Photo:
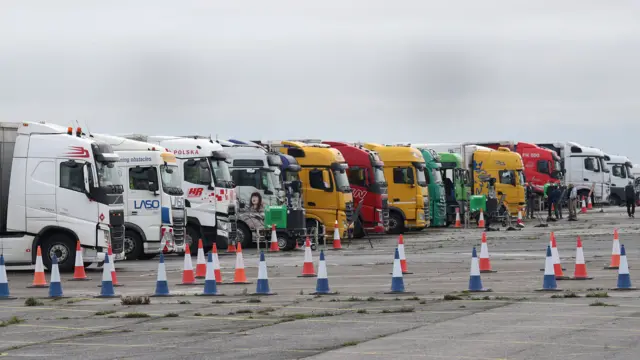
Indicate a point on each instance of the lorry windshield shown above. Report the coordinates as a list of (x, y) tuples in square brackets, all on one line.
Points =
[(171, 182), (342, 181), (521, 178), (107, 174), (422, 180), (275, 179), (436, 176), (290, 175), (221, 173), (378, 175)]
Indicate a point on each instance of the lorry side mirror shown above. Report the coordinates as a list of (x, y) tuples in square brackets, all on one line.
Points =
[(326, 180), (86, 174), (152, 177)]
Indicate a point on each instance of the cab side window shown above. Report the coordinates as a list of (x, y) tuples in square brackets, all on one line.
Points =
[(543, 166), (356, 177), (403, 175), (616, 170), (589, 164), (192, 173), (507, 177), (139, 178), (71, 176), (315, 180)]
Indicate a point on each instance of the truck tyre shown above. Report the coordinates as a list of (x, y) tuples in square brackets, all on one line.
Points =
[(63, 247), (191, 239), (285, 242), (312, 225), (244, 235), (133, 246), (396, 223), (358, 232)]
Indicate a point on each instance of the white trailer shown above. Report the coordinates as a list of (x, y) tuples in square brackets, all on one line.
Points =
[(58, 187), (585, 168), (153, 197), (620, 175)]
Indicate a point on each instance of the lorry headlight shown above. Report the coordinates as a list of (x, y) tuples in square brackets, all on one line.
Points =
[(420, 215), (222, 225)]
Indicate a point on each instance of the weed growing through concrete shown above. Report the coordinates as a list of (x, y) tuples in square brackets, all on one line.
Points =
[(135, 315), (362, 311), (404, 309), (107, 312), (33, 302), (12, 321), (350, 343), (265, 311), (353, 298), (135, 300), (415, 298), (254, 301), (244, 311), (600, 303), (307, 316), (600, 294), (452, 297), (171, 315)]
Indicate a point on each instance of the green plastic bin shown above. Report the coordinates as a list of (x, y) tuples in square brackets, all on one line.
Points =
[(275, 214), (478, 202)]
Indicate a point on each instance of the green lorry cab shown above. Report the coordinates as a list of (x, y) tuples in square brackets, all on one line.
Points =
[(457, 184), (437, 196)]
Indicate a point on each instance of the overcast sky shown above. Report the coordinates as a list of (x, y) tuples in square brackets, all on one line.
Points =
[(382, 71)]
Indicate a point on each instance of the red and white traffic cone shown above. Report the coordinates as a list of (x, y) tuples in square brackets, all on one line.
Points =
[(216, 264), (519, 222), (584, 206), (403, 258), (485, 262), (481, 220), (39, 280), (458, 223), (78, 272), (337, 245), (557, 267), (112, 262), (580, 271), (307, 266), (240, 276), (201, 264), (274, 240), (589, 204), (615, 252), (188, 276)]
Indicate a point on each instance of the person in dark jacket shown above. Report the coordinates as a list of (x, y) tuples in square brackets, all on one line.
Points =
[(556, 195), (531, 197), (551, 201), (630, 195)]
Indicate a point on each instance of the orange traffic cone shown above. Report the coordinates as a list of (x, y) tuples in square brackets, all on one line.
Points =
[(201, 264), (557, 267), (39, 281), (481, 220), (337, 245), (188, 276), (403, 258), (216, 264), (615, 252), (307, 267), (519, 223), (485, 262), (274, 240), (112, 263), (589, 204), (78, 271), (580, 272), (458, 224), (240, 277), (231, 248), (584, 206)]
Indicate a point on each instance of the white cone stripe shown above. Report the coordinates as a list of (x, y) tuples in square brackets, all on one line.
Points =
[(200, 258), (216, 262), (579, 256), (336, 233), (397, 269), (262, 270), (548, 266), (106, 273), (210, 275), (484, 251), (274, 237), (616, 247), (307, 255), (162, 272), (239, 261), (475, 266), (322, 270), (3, 274), (401, 252), (55, 273), (79, 261), (112, 263), (624, 266), (39, 265), (555, 256), (188, 265)]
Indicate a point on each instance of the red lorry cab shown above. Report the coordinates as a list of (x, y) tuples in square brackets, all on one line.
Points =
[(541, 166), (368, 184)]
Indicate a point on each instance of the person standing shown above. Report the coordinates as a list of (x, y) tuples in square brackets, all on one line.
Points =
[(531, 196), (630, 195), (573, 198)]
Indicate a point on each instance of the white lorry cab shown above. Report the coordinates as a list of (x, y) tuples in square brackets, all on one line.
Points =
[(207, 186), (620, 175), (58, 187), (153, 197), (585, 168)]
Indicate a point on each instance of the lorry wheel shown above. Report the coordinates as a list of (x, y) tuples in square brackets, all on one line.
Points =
[(133, 247), (312, 225), (244, 236), (358, 233), (396, 224), (63, 247), (615, 200), (286, 242)]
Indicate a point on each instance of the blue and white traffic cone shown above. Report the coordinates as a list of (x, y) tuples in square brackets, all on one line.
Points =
[(322, 284), (262, 287), (624, 279), (210, 287), (4, 283), (397, 282), (475, 282), (549, 282), (55, 287), (162, 287), (106, 290)]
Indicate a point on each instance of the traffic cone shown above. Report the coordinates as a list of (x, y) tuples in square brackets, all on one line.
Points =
[(615, 252), (307, 266), (162, 287), (106, 290), (274, 240), (475, 282), (231, 248), (262, 285), (485, 262), (519, 222), (403, 258), (4, 283), (39, 280), (397, 282), (624, 279), (549, 282), (114, 278), (589, 204), (55, 287), (481, 220), (78, 271), (337, 244), (210, 287), (201, 265), (188, 276), (580, 272), (216, 264), (557, 267), (240, 276), (584, 206), (458, 224), (322, 284)]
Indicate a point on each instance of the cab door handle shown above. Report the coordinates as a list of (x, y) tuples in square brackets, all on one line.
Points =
[(395, 200), (311, 204)]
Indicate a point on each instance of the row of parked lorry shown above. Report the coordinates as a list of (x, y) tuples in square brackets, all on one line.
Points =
[(146, 194)]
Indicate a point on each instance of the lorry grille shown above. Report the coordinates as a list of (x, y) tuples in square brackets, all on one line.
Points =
[(233, 228), (349, 210), (426, 208), (116, 222), (385, 212), (178, 230)]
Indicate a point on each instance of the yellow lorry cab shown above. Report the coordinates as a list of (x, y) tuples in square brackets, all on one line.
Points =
[(325, 186), (407, 186)]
